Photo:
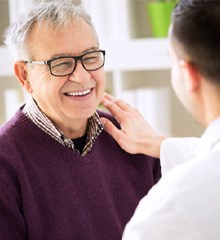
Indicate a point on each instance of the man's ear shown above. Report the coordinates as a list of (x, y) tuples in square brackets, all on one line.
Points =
[(21, 73), (191, 75)]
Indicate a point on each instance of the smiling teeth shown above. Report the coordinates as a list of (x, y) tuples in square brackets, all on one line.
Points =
[(83, 93)]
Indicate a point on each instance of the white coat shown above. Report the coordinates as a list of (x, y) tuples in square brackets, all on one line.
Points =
[(185, 204)]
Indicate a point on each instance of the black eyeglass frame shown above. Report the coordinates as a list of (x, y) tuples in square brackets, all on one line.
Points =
[(76, 58)]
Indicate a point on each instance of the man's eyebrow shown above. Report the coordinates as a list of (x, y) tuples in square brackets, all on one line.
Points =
[(90, 50), (70, 54)]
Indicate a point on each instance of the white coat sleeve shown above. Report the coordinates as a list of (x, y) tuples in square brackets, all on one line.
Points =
[(161, 214), (175, 151)]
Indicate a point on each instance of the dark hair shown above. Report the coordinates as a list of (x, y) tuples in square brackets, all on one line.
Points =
[(196, 31)]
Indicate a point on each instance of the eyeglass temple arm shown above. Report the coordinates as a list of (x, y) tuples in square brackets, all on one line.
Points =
[(36, 62)]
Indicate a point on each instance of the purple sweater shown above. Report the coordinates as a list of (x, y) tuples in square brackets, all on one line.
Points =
[(48, 191)]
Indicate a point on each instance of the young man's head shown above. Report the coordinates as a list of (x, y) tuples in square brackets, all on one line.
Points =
[(195, 53), (196, 35)]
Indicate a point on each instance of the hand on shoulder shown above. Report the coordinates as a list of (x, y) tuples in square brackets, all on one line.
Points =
[(135, 135)]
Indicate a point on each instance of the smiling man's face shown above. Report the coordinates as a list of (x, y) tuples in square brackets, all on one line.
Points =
[(68, 100)]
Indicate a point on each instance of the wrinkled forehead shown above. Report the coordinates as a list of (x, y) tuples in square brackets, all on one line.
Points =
[(72, 38)]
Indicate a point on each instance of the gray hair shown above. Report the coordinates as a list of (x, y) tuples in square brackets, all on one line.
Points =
[(57, 14)]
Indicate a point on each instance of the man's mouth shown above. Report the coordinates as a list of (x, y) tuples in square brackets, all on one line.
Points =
[(78, 93)]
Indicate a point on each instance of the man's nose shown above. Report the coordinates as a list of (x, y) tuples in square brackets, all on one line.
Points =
[(80, 74)]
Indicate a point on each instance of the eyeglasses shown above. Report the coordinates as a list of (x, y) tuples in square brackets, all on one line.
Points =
[(66, 65)]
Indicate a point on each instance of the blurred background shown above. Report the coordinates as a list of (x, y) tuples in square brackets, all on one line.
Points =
[(137, 62)]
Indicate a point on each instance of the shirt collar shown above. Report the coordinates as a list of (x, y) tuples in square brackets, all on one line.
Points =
[(95, 126)]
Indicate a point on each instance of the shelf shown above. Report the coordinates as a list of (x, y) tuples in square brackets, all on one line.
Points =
[(137, 55), (132, 55)]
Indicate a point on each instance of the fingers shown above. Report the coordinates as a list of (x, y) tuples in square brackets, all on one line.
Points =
[(113, 108), (111, 128), (116, 106), (121, 104), (123, 111)]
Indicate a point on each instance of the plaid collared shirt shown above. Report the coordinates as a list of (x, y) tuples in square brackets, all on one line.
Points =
[(94, 128)]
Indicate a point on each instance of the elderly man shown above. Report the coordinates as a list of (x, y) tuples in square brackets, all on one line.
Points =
[(61, 175)]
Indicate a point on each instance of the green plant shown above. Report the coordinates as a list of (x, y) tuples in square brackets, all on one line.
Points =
[(159, 13)]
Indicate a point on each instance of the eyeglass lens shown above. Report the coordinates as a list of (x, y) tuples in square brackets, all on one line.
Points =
[(66, 65)]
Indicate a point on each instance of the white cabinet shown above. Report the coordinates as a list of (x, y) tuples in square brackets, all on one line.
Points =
[(137, 66)]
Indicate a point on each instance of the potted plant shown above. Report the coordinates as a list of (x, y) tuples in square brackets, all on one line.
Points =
[(159, 15)]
